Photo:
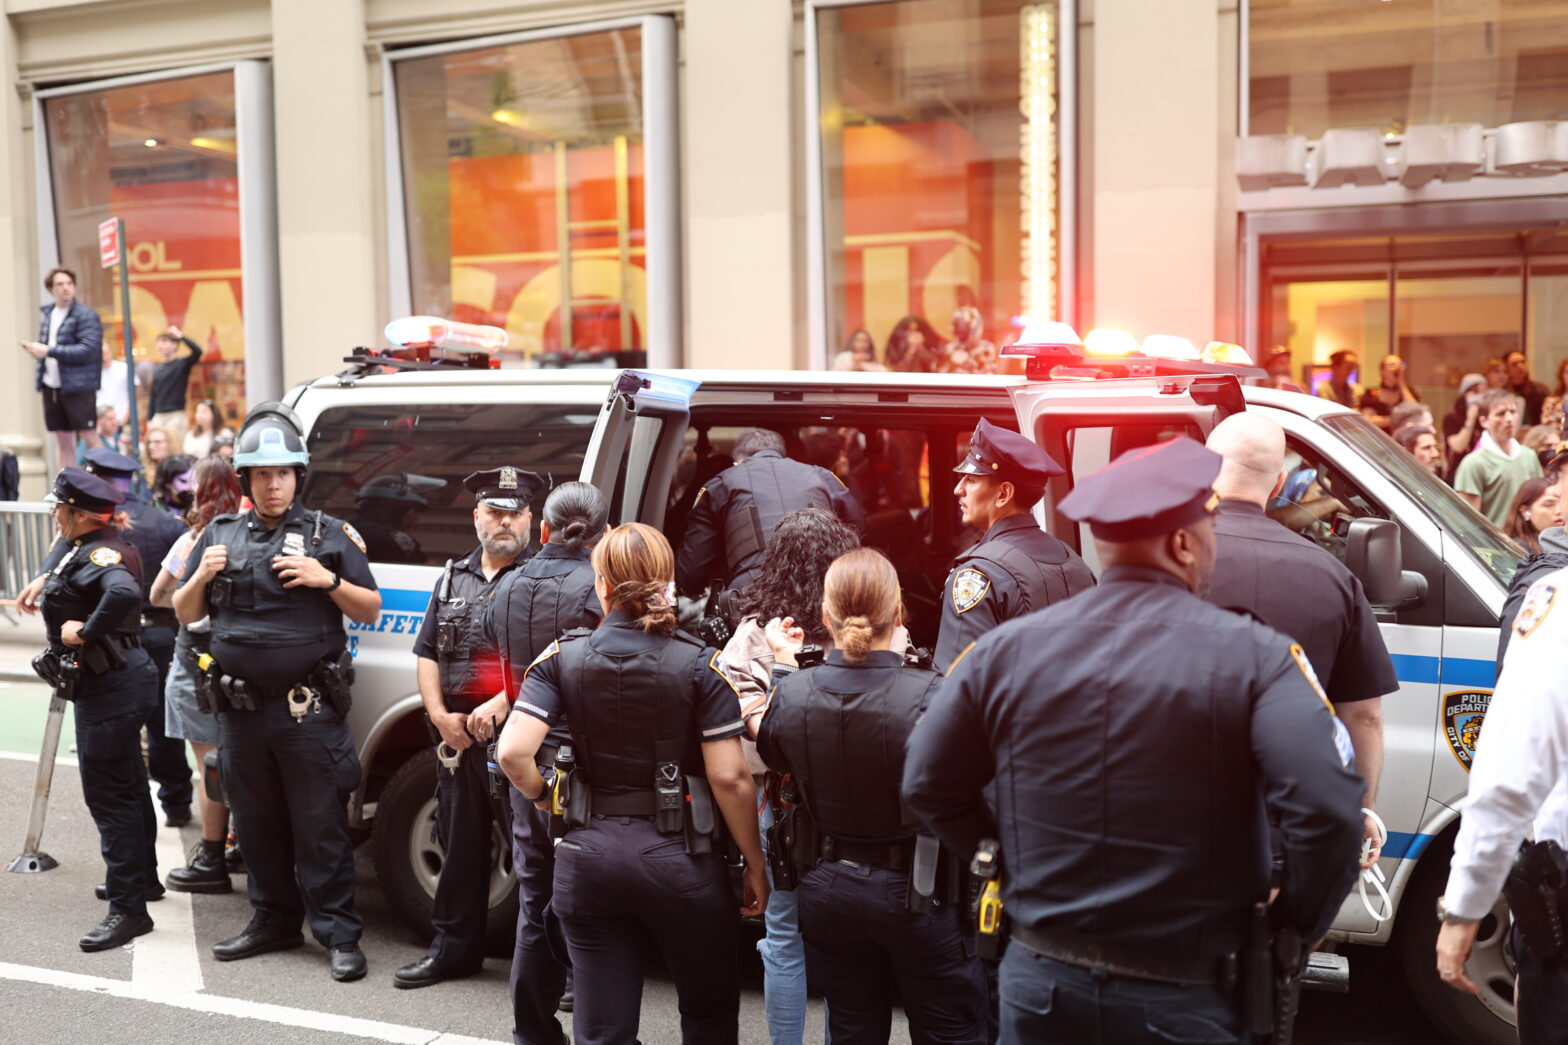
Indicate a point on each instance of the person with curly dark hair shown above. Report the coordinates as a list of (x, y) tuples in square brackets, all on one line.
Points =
[(913, 347)]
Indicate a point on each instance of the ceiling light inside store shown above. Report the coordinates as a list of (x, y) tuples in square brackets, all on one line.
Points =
[(151, 143), (215, 144), (510, 117)]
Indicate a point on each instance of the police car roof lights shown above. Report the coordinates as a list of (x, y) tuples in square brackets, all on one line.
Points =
[(1054, 351), (428, 343), (435, 332)]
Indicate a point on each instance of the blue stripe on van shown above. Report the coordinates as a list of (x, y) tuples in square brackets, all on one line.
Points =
[(1406, 847), (404, 600), (1450, 671)]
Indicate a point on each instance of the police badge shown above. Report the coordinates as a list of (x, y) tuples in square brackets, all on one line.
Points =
[(969, 589), (293, 543), (508, 477)]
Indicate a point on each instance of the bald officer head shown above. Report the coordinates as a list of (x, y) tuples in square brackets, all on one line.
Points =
[(1253, 448)]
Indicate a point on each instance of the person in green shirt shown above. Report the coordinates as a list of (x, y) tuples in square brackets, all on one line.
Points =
[(1489, 477)]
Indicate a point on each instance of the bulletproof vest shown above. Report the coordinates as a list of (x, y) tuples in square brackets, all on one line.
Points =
[(467, 668), (259, 610), (623, 709), (762, 490), (537, 604), (848, 757), (152, 533), (67, 596), (1049, 578)]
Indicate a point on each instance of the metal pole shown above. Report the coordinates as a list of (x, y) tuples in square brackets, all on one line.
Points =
[(125, 328), (32, 861)]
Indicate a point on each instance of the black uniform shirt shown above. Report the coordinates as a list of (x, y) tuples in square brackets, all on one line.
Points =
[(471, 672), (1299, 589), (1134, 738), (468, 583), (982, 591), (716, 710), (99, 586), (152, 533)]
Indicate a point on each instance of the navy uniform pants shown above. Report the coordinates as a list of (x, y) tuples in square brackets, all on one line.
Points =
[(109, 710), (165, 754), (288, 784), (1047, 1002), (538, 979), (1543, 996), (866, 951), (618, 884), (464, 815)]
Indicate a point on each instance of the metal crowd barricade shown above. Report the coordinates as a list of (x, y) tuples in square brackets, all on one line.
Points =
[(26, 533)]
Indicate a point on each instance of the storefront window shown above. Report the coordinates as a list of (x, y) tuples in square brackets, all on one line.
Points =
[(1316, 64), (523, 190), (163, 157), (939, 175)]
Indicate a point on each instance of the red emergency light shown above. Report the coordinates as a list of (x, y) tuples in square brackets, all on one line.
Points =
[(1053, 351)]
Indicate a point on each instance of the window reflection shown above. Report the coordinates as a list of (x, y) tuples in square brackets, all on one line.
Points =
[(523, 181), (163, 157)]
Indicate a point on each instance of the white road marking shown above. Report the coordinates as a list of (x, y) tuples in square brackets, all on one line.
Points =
[(59, 760), (237, 1007), (167, 956)]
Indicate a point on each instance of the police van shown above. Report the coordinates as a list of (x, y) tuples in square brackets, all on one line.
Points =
[(392, 437)]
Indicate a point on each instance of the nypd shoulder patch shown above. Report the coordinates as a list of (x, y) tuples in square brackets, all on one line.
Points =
[(353, 535), (1537, 604), (969, 589), (102, 556)]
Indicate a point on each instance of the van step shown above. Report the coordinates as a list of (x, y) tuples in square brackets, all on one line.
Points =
[(1327, 972)]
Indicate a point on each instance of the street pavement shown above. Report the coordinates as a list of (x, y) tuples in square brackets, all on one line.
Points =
[(166, 986)]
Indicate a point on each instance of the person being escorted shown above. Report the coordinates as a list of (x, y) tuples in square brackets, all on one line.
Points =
[(91, 603), (277, 581), (657, 768), (1519, 788), (1131, 858), (733, 518), (1017, 567), (458, 671), (840, 728), (532, 607), (1299, 590)]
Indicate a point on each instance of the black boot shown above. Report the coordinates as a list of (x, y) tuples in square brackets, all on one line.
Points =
[(207, 872), (262, 935)]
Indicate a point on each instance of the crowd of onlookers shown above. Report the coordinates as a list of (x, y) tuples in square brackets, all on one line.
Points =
[(1500, 445), (914, 347)]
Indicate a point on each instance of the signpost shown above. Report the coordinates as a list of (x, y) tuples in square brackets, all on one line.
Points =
[(112, 252)]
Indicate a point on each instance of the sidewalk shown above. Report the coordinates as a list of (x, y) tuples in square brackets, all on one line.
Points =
[(20, 642)]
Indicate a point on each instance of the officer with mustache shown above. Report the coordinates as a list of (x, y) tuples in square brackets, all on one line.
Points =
[(458, 671)]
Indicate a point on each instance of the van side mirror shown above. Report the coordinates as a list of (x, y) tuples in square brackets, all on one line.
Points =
[(1372, 553)]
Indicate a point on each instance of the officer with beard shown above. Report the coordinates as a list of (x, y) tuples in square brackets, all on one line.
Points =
[(458, 671)]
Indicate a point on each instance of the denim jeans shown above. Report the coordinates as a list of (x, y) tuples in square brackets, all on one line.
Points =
[(783, 959)]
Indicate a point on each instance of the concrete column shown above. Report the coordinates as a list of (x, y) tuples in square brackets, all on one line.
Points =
[(21, 411), (1156, 166), (738, 164), (331, 300)]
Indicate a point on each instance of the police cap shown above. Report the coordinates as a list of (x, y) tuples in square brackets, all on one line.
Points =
[(1147, 491), (507, 488), (1005, 454), (105, 462), (86, 491)]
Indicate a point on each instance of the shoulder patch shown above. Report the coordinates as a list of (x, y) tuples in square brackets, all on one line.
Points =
[(969, 589), (403, 539), (353, 535), (695, 501), (718, 669), (1300, 657), (104, 556), (544, 655), (1537, 604)]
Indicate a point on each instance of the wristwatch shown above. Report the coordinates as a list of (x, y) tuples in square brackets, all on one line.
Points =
[(337, 580), (1448, 917)]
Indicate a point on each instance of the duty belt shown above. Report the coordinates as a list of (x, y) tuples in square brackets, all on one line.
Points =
[(624, 803), (126, 641), (887, 856), (1073, 948), (159, 617)]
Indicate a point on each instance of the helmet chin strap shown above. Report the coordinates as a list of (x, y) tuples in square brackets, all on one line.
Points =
[(243, 475)]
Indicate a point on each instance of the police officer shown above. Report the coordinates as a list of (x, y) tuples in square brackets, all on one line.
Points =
[(152, 532), (1300, 590), (91, 604), (1133, 739), (840, 728), (552, 594), (734, 514), (1017, 567), (458, 671), (277, 581), (384, 513), (655, 730), (1519, 785)]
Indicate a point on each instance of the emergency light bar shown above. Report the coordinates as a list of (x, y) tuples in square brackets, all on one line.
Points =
[(429, 343), (435, 332), (1054, 350)]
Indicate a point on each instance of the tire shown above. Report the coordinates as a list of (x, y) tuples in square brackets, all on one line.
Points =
[(1463, 1019), (408, 858)]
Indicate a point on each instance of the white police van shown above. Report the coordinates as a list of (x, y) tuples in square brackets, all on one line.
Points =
[(1436, 571)]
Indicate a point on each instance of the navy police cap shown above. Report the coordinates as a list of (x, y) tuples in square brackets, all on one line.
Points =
[(103, 461), (86, 491), (1147, 491), (507, 488), (1005, 454)]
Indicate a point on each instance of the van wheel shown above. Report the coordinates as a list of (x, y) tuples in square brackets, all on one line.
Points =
[(1463, 1019), (409, 859)]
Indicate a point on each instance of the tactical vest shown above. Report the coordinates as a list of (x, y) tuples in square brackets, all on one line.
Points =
[(628, 712), (762, 490), (536, 604), (1040, 584), (466, 671), (258, 611), (851, 785)]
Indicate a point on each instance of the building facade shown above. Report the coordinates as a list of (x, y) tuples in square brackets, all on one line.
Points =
[(745, 183)]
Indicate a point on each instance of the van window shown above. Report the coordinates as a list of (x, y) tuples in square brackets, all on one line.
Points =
[(1314, 495), (396, 472)]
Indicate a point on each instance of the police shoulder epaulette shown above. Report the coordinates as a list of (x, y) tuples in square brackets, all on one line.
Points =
[(228, 517), (1245, 611), (688, 638), (573, 634)]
